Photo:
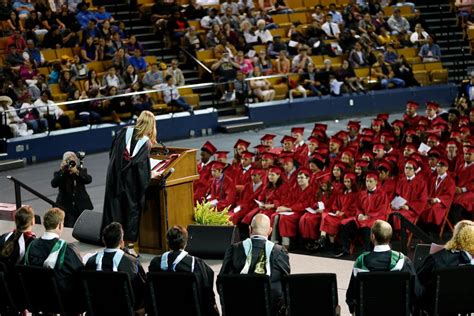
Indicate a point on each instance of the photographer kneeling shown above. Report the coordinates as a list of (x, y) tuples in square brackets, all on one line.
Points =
[(71, 180)]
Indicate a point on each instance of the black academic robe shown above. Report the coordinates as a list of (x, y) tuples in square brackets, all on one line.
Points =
[(234, 262), (204, 277), (127, 181), (67, 275), (377, 262), (440, 260), (129, 264), (72, 193)]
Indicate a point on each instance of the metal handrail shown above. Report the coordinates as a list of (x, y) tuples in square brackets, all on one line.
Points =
[(18, 185), (406, 225), (209, 71)]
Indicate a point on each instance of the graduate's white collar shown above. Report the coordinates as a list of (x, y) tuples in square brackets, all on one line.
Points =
[(381, 248), (49, 236)]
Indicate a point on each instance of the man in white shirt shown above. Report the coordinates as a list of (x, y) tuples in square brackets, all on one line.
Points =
[(420, 36), (264, 35), (53, 113), (330, 28), (210, 19), (171, 95)]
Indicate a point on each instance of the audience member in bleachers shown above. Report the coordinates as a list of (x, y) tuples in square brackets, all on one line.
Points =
[(177, 73), (50, 251), (51, 111), (458, 251), (153, 78), (258, 255), (384, 72), (16, 125), (138, 61), (31, 116), (171, 95), (398, 24), (178, 260), (83, 15), (14, 244), (331, 28), (430, 52), (116, 258), (261, 88), (381, 258)]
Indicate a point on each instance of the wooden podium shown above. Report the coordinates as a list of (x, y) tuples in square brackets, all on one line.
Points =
[(169, 203)]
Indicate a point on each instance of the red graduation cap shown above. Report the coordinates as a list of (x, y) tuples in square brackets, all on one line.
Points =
[(318, 157), (216, 165), (209, 147), (443, 161), (388, 137), (455, 134), (247, 154), (398, 123), (351, 176), (336, 140), (433, 137), (432, 105), (305, 171), (470, 140), (463, 120), (412, 104), (287, 138), (412, 162), (313, 140), (372, 175), (385, 164), (261, 148), (242, 142), (267, 137), (361, 163), (342, 135), (349, 152), (434, 153), (320, 127), (323, 151), (383, 116), (469, 149), (366, 138), (465, 130), (275, 169), (258, 171), (269, 155), (297, 130), (368, 154), (410, 146), (221, 154), (378, 146), (410, 132), (368, 132), (342, 166), (286, 157), (353, 125), (325, 178), (377, 122)]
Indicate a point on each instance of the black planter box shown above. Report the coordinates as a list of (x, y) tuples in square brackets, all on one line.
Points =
[(211, 242)]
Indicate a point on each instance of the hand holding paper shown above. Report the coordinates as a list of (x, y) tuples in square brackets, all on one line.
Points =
[(398, 202)]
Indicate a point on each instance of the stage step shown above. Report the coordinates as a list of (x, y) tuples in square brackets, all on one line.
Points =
[(11, 164), (240, 126)]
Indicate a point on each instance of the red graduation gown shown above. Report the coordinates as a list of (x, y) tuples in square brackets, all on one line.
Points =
[(344, 202), (435, 213), (268, 196), (201, 186), (416, 194), (298, 200), (411, 121), (301, 154), (375, 205), (389, 187), (223, 190), (290, 180), (309, 223), (465, 179), (241, 175), (246, 201)]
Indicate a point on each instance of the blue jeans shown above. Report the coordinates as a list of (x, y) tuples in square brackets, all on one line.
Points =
[(181, 103), (38, 125), (396, 81)]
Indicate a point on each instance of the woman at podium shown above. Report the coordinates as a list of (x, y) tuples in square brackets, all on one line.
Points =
[(128, 176)]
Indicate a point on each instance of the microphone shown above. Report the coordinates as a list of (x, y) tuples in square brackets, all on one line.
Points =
[(166, 176), (166, 151)]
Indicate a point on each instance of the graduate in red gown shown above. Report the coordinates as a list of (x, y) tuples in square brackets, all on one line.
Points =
[(378, 149), (241, 171), (202, 185), (290, 172), (353, 127), (454, 155), (287, 216), (313, 145), (300, 148), (268, 160), (222, 156), (440, 194), (272, 196), (411, 117), (338, 176), (240, 146), (311, 220), (372, 205), (249, 194), (464, 196), (335, 146), (414, 190), (388, 183), (267, 140), (222, 189), (318, 169), (398, 133), (344, 206)]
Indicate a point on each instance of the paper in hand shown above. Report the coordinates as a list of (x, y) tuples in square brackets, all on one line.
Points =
[(321, 205), (286, 213), (423, 148), (398, 202), (260, 204), (311, 210), (237, 209)]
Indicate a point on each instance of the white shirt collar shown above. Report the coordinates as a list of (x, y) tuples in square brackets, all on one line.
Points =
[(111, 249), (411, 178), (381, 248), (247, 168), (259, 237), (443, 176), (49, 236)]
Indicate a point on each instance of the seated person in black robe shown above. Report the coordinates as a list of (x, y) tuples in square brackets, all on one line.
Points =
[(459, 250), (178, 260), (113, 258), (50, 251), (276, 263), (13, 246), (381, 258)]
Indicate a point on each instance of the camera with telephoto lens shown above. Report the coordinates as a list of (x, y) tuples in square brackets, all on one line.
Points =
[(70, 164)]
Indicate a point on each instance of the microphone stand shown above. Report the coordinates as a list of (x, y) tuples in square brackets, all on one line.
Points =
[(162, 185)]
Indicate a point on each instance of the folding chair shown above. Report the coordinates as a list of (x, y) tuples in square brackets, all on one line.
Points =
[(162, 297), (307, 293), (257, 294), (392, 299)]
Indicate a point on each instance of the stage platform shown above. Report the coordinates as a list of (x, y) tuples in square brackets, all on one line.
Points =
[(299, 263)]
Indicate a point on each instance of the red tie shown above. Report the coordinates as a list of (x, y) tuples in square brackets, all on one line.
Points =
[(438, 181)]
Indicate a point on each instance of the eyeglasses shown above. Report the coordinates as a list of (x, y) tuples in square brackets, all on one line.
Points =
[(409, 168)]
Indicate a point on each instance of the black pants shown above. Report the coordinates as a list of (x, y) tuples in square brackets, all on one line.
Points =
[(349, 232)]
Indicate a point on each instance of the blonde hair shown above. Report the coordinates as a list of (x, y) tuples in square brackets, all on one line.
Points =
[(463, 237), (52, 218), (146, 126)]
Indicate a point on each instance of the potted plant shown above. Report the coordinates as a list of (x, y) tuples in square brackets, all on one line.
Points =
[(212, 232)]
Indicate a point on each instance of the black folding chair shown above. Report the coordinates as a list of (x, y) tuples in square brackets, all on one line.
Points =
[(384, 293), (7, 304), (163, 297), (311, 294), (454, 291), (107, 293), (245, 294), (421, 252), (41, 290)]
